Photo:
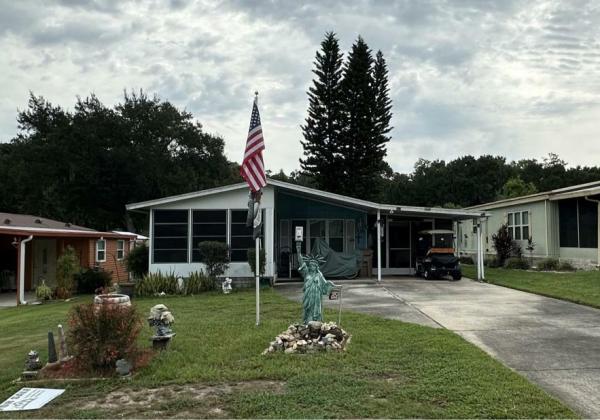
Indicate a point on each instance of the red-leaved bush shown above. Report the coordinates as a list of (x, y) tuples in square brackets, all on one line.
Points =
[(99, 335)]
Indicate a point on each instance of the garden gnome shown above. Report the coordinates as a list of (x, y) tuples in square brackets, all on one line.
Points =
[(315, 286), (63, 353), (51, 348), (226, 286), (33, 361)]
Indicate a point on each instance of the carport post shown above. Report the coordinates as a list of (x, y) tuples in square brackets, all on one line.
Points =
[(479, 253), (378, 245)]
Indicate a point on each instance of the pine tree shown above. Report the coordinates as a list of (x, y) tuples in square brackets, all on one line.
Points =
[(366, 108), (322, 158), (383, 104)]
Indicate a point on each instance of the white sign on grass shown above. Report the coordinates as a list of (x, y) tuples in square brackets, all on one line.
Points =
[(30, 399)]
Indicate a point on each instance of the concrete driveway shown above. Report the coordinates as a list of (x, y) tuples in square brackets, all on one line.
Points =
[(555, 344)]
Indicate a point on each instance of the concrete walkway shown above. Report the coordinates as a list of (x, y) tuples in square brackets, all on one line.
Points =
[(555, 344)]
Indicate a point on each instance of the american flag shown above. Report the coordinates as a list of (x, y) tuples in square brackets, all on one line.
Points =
[(253, 167)]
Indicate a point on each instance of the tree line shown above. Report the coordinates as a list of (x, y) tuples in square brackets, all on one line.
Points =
[(83, 166)]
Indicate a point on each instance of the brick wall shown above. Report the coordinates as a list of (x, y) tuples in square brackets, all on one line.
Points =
[(111, 265)]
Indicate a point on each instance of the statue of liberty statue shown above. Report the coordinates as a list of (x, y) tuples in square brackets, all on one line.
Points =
[(315, 286)]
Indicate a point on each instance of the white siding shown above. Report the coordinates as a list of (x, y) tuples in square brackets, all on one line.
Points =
[(237, 199)]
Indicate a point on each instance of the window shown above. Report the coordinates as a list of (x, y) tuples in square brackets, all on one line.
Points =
[(241, 235), (316, 229), (518, 225), (208, 225), (578, 223), (336, 235), (100, 250), (120, 249), (170, 236)]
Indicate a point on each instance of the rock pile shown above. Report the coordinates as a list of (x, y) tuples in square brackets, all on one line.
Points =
[(311, 338)]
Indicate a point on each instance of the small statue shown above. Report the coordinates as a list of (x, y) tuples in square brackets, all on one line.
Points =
[(161, 318), (226, 286), (33, 361), (315, 286)]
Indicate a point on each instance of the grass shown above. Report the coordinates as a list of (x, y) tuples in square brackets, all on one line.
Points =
[(214, 369), (577, 286)]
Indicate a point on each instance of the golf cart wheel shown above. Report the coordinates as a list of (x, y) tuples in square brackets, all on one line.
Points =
[(457, 276), (427, 274)]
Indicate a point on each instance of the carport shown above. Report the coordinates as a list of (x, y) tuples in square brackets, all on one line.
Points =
[(398, 227)]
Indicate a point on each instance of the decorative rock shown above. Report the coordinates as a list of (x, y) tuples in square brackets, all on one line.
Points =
[(123, 367), (316, 336)]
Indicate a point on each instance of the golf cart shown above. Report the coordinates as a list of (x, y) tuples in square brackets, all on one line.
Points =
[(435, 255)]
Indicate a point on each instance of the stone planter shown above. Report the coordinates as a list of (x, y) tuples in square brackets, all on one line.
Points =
[(113, 300), (161, 342)]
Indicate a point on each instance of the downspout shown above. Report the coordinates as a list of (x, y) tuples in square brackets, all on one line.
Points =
[(598, 238), (378, 246), (22, 270)]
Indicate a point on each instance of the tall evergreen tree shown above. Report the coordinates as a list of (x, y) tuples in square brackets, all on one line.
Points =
[(366, 121), (322, 157)]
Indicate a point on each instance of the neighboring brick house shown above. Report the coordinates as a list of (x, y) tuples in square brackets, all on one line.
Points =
[(30, 246)]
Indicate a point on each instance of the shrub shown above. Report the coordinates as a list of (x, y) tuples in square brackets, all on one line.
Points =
[(549, 264), (466, 260), (67, 265), (155, 283), (137, 261), (199, 282), (262, 260), (516, 263), (43, 292), (215, 255), (504, 245), (491, 262), (99, 335), (89, 280), (566, 266)]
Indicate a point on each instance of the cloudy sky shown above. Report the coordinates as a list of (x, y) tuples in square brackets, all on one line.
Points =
[(518, 78)]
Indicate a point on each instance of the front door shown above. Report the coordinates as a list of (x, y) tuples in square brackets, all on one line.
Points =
[(44, 262), (399, 247)]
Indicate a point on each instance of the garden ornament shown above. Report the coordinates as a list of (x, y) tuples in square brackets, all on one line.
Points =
[(226, 286), (315, 286), (33, 361), (63, 353), (51, 348), (161, 318)]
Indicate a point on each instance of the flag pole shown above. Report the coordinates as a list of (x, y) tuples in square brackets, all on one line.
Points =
[(257, 257)]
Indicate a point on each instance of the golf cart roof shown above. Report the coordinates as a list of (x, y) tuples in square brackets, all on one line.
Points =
[(436, 231)]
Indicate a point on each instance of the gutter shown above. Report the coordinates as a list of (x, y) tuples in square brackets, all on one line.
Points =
[(598, 237), (23, 243)]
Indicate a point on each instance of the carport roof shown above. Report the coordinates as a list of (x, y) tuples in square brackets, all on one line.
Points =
[(370, 206)]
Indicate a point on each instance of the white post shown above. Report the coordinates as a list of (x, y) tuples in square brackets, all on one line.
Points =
[(257, 281), (378, 245), (479, 261), (482, 252), (21, 300)]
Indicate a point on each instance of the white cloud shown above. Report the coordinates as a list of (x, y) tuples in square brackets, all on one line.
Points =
[(512, 77)]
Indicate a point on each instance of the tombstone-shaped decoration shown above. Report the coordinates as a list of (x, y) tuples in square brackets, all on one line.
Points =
[(63, 352), (52, 358), (161, 318)]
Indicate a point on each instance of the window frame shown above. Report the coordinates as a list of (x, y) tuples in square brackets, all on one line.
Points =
[(193, 237), (231, 235), (511, 219), (154, 236), (98, 250), (120, 242)]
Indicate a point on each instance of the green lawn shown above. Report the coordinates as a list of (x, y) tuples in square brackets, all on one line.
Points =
[(214, 369), (578, 286)]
